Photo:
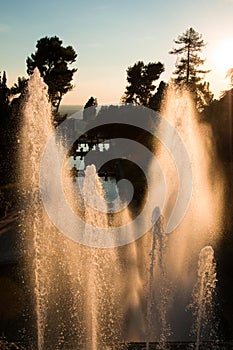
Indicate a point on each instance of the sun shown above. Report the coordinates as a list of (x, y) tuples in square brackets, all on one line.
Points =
[(223, 58)]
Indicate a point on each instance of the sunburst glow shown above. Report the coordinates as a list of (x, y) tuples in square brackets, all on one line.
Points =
[(223, 59)]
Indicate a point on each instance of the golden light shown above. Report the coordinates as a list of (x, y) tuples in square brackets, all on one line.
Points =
[(223, 58)]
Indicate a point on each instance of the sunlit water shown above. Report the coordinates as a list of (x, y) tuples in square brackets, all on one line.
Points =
[(202, 304), (203, 221), (158, 298), (34, 133), (91, 298)]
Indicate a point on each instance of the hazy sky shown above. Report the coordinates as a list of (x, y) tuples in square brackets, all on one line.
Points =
[(111, 35)]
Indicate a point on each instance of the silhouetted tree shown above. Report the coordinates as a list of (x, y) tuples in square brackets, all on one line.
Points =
[(89, 111), (19, 87), (4, 104), (52, 60), (156, 99), (191, 43), (188, 72), (7, 133), (220, 115), (92, 102), (17, 93), (4, 91), (203, 95), (141, 78)]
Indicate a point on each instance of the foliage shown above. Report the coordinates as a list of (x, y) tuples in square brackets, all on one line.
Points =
[(53, 60), (156, 100), (204, 96), (191, 43), (9, 127), (220, 115), (89, 111), (188, 72), (92, 102), (141, 78), (5, 128), (4, 91), (19, 87)]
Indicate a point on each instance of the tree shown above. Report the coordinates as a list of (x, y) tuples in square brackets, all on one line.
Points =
[(4, 91), (204, 97), (156, 100), (7, 132), (19, 87), (4, 105), (141, 78), (188, 74), (52, 60), (92, 102), (89, 112), (219, 113), (187, 65)]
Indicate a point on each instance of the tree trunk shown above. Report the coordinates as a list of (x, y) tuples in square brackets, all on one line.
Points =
[(188, 63), (58, 104)]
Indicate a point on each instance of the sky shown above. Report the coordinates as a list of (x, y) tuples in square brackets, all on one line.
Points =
[(111, 35)]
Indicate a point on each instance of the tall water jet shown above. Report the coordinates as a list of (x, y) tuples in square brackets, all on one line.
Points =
[(202, 222), (151, 285), (102, 320), (207, 172), (66, 278), (49, 252), (202, 304), (132, 269), (36, 127), (93, 194), (158, 285)]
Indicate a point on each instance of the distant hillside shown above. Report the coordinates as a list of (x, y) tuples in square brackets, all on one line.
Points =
[(69, 109)]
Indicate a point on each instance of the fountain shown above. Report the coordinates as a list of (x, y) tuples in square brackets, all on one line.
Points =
[(160, 299), (202, 304), (34, 133), (65, 277), (101, 318), (92, 298), (203, 221)]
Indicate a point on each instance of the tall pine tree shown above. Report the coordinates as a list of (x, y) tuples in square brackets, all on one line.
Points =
[(188, 72)]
